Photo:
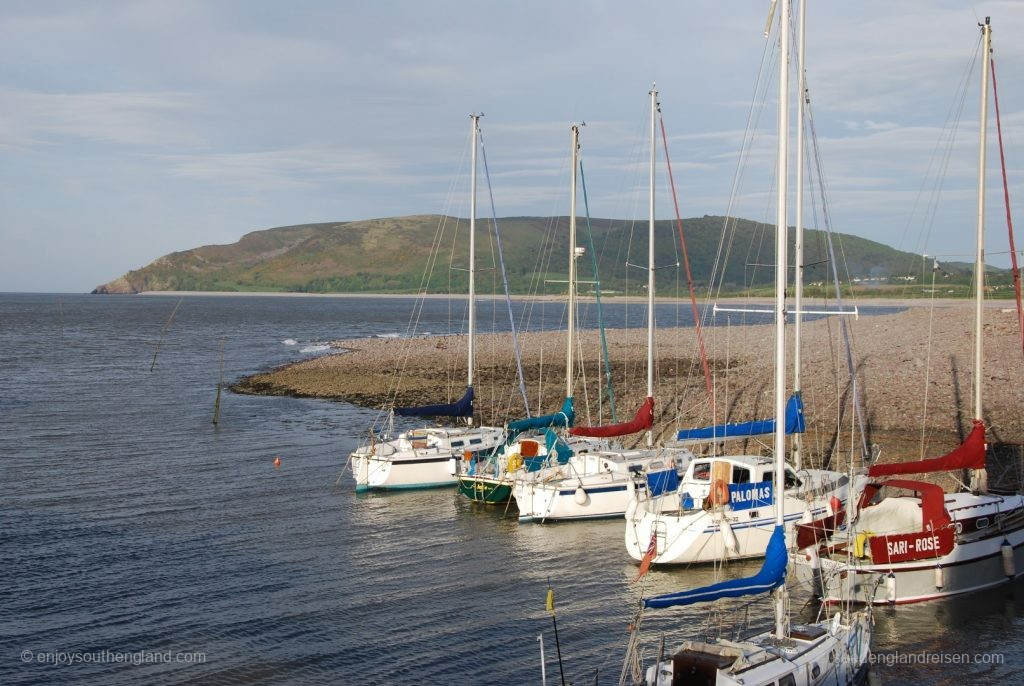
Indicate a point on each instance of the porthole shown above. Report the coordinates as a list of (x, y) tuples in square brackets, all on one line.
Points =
[(981, 523)]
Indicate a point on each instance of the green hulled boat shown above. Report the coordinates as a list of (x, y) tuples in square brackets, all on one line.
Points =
[(486, 489)]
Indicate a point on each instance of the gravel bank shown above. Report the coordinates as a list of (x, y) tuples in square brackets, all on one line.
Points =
[(916, 397)]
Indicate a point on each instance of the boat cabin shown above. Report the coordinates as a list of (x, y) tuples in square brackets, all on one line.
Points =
[(742, 481)]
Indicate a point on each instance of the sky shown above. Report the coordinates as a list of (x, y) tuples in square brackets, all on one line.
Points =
[(129, 130)]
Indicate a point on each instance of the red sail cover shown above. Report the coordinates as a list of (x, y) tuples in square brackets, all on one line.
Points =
[(935, 538), (970, 455), (643, 420)]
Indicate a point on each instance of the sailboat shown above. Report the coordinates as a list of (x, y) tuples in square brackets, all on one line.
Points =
[(432, 456), (595, 483), (832, 651), (908, 541), (721, 508), (530, 442)]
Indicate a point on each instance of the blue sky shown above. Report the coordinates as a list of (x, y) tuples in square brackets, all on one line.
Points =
[(129, 130)]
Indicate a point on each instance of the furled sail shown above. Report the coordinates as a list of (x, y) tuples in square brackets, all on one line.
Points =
[(970, 455), (555, 445), (772, 574), (461, 408), (794, 425), (563, 417), (641, 422)]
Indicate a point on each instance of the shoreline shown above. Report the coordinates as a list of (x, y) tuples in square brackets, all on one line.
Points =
[(899, 379), (632, 299)]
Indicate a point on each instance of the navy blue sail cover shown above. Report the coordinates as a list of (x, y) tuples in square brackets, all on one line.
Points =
[(794, 424), (771, 576), (461, 408)]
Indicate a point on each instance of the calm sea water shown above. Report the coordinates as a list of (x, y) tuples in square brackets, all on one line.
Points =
[(135, 529)]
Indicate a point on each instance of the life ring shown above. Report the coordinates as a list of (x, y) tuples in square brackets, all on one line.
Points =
[(720, 493)]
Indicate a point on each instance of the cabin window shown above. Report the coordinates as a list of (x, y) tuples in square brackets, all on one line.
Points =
[(702, 471), (959, 527), (456, 444), (815, 672), (476, 441), (740, 475), (791, 480), (788, 680), (982, 523)]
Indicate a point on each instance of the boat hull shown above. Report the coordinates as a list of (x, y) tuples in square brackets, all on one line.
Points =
[(424, 472), (486, 489), (705, 536), (549, 503), (972, 565), (430, 458), (592, 485)]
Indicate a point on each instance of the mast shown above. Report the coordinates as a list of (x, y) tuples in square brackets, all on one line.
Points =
[(571, 317), (798, 257), (780, 295), (978, 477), (475, 121), (650, 263)]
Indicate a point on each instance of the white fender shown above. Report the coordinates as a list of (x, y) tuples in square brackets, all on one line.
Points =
[(580, 496), (890, 588), (1009, 567), (728, 536)]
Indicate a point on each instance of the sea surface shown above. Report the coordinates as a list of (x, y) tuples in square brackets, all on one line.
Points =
[(141, 543)]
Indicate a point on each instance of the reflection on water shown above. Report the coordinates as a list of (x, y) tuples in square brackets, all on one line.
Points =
[(131, 523)]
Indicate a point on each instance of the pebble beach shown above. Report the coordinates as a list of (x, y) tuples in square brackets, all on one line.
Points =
[(914, 377)]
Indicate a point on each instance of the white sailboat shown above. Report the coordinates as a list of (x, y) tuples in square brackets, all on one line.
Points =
[(595, 484), (909, 541), (834, 651), (531, 443), (722, 508), (432, 456)]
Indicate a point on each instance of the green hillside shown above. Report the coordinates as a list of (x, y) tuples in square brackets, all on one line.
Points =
[(391, 256)]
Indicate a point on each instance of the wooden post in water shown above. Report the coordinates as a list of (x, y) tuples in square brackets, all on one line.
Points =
[(220, 384)]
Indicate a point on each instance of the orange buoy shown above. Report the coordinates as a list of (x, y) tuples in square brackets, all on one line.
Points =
[(277, 462)]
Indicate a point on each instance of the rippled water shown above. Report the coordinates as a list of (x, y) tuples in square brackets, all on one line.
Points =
[(131, 523)]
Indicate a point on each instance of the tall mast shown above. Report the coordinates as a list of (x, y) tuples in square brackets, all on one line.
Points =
[(979, 265), (650, 263), (782, 183), (571, 317), (475, 121), (798, 257)]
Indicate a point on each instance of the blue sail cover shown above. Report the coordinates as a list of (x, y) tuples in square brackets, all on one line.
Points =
[(462, 408), (564, 417), (772, 574), (794, 425)]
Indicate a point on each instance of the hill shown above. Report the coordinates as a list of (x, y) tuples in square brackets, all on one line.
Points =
[(391, 255)]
